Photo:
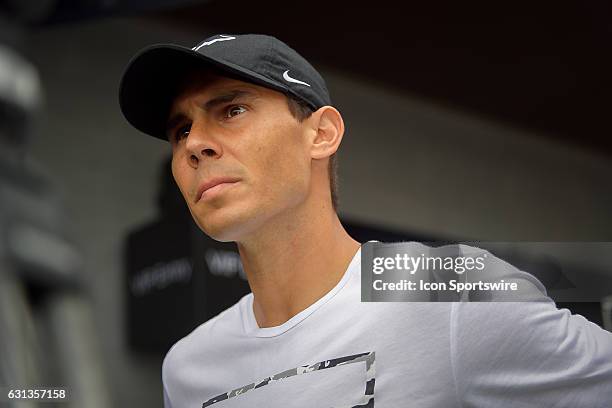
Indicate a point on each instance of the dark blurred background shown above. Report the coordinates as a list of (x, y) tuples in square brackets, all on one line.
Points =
[(465, 120)]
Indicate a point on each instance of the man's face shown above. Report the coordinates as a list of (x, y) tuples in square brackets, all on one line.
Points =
[(224, 128)]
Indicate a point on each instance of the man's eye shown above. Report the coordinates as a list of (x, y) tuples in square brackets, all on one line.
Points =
[(182, 132), (234, 110)]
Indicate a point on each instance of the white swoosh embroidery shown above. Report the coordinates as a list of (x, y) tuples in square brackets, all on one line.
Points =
[(289, 79), (223, 38)]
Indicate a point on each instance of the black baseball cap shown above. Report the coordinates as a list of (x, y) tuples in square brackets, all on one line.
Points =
[(151, 78)]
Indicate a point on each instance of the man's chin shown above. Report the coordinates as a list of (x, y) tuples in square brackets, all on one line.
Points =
[(228, 230), (222, 236)]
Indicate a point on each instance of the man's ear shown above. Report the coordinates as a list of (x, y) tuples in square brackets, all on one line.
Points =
[(328, 128)]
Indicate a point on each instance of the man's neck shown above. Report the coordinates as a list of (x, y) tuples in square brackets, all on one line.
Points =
[(294, 264)]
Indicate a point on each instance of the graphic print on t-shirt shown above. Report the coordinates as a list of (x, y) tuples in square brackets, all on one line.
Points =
[(338, 382)]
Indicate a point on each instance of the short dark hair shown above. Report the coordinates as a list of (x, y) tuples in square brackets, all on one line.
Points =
[(301, 111)]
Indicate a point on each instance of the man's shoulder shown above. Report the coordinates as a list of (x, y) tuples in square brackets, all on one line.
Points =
[(208, 336)]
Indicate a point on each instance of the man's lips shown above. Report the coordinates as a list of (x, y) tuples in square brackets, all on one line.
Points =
[(209, 184)]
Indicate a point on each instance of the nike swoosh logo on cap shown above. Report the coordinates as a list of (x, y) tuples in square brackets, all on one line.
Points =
[(289, 79), (223, 38)]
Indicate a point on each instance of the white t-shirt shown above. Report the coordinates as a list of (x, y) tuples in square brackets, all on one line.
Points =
[(340, 352)]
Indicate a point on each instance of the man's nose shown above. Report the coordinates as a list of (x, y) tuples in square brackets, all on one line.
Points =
[(201, 144)]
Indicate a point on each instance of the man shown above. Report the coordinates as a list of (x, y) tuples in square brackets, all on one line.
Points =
[(253, 138)]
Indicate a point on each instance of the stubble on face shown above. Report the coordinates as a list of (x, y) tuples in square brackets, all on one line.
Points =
[(264, 146)]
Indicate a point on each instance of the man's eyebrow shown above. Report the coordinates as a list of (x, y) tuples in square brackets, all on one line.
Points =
[(225, 97), (228, 97)]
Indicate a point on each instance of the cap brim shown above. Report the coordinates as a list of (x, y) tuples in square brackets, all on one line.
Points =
[(150, 82)]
